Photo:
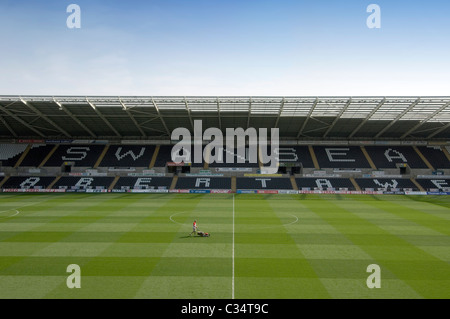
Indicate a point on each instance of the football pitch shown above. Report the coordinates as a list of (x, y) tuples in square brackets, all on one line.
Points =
[(261, 246)]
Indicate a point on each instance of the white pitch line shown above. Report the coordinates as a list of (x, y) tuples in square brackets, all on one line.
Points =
[(17, 213), (174, 221), (30, 204), (296, 220), (232, 278)]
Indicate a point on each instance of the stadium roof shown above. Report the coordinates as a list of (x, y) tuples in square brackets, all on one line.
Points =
[(154, 117)]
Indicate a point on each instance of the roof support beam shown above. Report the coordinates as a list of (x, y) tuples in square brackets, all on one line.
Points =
[(311, 110), (367, 117), (398, 117), (103, 118), (338, 117), (249, 112), (42, 115), (279, 113), (161, 118), (218, 114), (189, 113), (125, 108), (73, 117), (443, 107), (18, 119), (439, 130), (7, 126)]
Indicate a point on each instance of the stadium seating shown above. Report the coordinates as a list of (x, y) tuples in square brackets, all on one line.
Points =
[(436, 157), (203, 182), (85, 182), (262, 182), (140, 156), (128, 156), (340, 157), (36, 155), (236, 158), (28, 182), (434, 183), (10, 153), (285, 154), (164, 156), (147, 182), (389, 156), (324, 183), (386, 183), (294, 155), (81, 155)]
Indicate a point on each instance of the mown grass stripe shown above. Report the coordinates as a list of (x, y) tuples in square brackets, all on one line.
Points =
[(420, 266), (270, 266)]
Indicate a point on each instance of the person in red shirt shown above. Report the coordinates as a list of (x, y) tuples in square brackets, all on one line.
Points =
[(194, 228)]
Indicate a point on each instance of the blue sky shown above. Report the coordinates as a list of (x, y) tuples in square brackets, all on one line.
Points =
[(225, 47)]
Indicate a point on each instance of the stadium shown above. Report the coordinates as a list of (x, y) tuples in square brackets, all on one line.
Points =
[(90, 181)]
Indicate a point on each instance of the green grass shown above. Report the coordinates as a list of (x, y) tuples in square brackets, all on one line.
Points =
[(282, 246)]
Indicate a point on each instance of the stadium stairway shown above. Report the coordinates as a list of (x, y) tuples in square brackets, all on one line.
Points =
[(206, 163), (417, 185), (3, 181), (294, 183), (155, 155), (423, 158), (174, 182), (366, 155), (260, 163), (447, 154), (233, 184), (48, 156), (50, 186), (102, 155), (355, 184), (113, 183), (24, 154), (313, 157)]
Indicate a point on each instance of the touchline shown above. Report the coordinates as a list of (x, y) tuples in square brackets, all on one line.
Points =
[(218, 152)]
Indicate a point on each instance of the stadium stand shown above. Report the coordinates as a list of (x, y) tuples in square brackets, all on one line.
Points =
[(436, 156), (236, 157), (437, 183), (324, 183), (28, 182), (262, 182), (36, 155), (338, 152), (147, 182), (203, 182), (386, 184), (128, 156), (85, 182), (222, 160), (10, 153), (81, 155), (390, 156), (340, 157), (164, 156), (293, 155)]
